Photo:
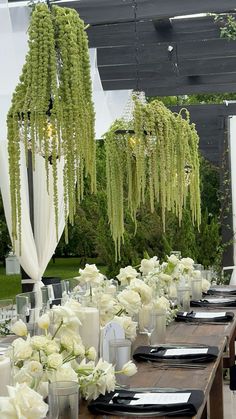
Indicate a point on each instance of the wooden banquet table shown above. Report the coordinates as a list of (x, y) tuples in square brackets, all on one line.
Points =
[(209, 379)]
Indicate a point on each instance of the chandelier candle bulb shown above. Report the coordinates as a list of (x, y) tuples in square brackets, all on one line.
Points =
[(90, 328)]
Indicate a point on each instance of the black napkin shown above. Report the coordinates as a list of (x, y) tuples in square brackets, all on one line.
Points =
[(191, 317), (118, 402), (225, 302), (157, 353), (223, 290)]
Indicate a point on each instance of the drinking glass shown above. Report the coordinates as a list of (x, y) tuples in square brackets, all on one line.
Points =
[(45, 299), (22, 306), (6, 310), (63, 399)]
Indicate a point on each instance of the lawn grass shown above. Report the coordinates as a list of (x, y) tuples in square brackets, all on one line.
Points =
[(63, 268)]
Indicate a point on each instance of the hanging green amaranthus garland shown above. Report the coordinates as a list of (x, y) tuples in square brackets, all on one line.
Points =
[(52, 109), (152, 163)]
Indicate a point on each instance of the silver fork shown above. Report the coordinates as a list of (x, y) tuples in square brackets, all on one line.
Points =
[(184, 366)]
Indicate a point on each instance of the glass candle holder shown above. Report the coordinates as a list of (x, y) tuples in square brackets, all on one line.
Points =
[(196, 288), (159, 333), (183, 294), (63, 399), (119, 352)]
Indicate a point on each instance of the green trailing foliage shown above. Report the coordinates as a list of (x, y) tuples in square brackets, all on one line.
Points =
[(154, 157), (227, 26), (52, 111)]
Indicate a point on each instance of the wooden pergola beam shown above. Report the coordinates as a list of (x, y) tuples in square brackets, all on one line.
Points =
[(104, 11)]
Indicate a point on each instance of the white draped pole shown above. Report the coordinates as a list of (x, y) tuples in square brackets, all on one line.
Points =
[(39, 245), (109, 105), (39, 242), (232, 139)]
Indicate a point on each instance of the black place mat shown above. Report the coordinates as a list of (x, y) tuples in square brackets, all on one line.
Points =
[(192, 316), (158, 354), (118, 403), (222, 290), (214, 302)]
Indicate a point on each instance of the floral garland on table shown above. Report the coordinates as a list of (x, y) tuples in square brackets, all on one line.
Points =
[(156, 282), (58, 355), (154, 155), (121, 306), (52, 110)]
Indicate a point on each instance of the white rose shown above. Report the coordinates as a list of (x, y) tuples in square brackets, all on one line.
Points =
[(111, 289), (75, 306), (130, 300), (65, 373), (22, 376), (52, 347), (19, 328), (101, 380), (196, 274), (143, 289), (129, 369), (107, 304), (165, 278), (21, 349), (44, 322), (129, 326), (71, 340), (173, 259), (39, 342), (78, 349), (148, 265), (66, 315), (55, 361), (34, 368), (187, 262), (162, 304), (91, 353), (90, 274), (27, 403), (205, 285), (126, 274), (42, 389)]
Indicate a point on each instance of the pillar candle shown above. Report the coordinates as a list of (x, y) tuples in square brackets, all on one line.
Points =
[(90, 328), (5, 374)]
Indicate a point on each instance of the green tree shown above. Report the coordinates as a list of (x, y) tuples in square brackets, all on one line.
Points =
[(5, 242)]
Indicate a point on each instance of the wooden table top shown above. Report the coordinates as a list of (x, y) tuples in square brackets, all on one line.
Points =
[(202, 379)]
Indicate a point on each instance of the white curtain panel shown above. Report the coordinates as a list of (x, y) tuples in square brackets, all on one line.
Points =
[(232, 140), (109, 105), (38, 247)]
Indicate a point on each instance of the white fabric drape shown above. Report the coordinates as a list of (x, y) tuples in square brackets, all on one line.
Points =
[(109, 105), (232, 141), (38, 246)]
